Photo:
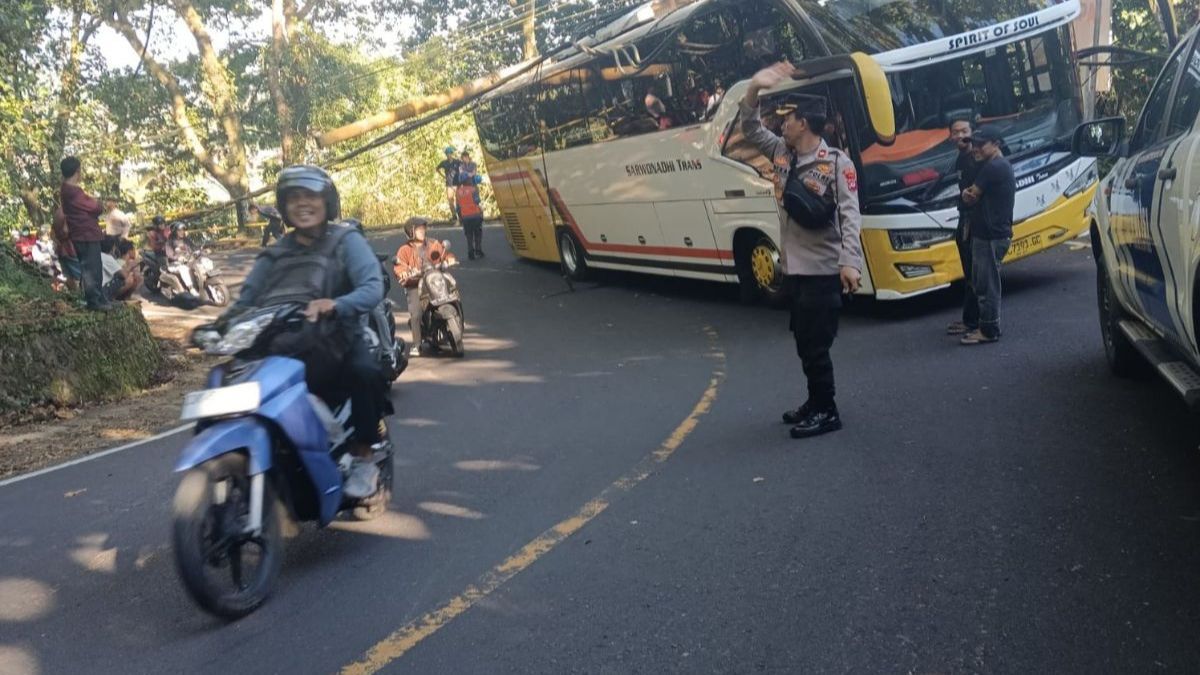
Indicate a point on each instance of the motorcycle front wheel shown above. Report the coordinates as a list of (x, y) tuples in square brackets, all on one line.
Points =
[(227, 572), (218, 293), (454, 328)]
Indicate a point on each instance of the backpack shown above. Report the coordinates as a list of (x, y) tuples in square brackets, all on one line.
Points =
[(303, 274)]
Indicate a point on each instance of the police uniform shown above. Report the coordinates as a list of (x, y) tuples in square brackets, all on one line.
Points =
[(812, 258)]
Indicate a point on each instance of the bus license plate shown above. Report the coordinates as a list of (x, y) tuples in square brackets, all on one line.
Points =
[(1025, 246)]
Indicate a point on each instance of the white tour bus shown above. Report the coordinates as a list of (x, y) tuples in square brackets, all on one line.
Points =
[(626, 152)]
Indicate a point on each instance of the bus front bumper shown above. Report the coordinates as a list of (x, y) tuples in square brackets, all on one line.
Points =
[(936, 267)]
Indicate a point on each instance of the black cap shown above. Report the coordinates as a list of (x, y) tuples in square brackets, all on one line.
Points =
[(801, 104), (986, 135)]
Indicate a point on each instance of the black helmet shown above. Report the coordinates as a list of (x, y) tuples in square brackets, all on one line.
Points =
[(410, 225), (311, 178), (159, 221)]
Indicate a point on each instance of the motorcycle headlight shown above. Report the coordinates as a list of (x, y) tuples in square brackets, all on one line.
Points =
[(1083, 181), (437, 283), (207, 264), (242, 335), (912, 240)]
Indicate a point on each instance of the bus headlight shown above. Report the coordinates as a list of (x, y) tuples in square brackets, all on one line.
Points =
[(1082, 181), (911, 240)]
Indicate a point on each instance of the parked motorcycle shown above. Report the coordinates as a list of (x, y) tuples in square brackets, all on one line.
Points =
[(266, 453), (191, 274), (441, 305)]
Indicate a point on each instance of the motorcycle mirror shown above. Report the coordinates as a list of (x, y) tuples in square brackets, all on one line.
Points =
[(446, 243)]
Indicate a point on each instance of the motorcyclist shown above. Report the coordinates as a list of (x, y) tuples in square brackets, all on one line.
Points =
[(159, 238), (410, 259), (333, 270)]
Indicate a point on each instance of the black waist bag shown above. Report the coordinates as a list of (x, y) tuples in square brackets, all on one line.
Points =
[(810, 211)]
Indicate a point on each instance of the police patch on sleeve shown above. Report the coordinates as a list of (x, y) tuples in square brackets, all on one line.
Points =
[(851, 179)]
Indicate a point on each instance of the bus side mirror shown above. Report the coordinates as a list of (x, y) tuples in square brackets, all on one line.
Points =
[(1099, 138)]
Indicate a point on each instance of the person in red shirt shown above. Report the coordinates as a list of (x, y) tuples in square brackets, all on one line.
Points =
[(82, 212), (25, 244), (64, 249), (470, 214)]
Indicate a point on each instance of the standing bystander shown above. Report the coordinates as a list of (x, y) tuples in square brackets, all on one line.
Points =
[(448, 170), (82, 213), (967, 168), (817, 188), (274, 227), (992, 196), (470, 214), (117, 222)]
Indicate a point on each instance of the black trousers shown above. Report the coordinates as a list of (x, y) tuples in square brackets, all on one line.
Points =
[(970, 308), (816, 307), (473, 229), (92, 279), (361, 379)]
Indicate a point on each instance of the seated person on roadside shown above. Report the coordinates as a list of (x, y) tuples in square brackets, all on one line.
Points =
[(120, 273), (158, 239), (410, 259)]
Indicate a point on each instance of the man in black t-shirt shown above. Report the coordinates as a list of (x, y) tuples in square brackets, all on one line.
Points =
[(448, 170), (992, 195), (967, 167)]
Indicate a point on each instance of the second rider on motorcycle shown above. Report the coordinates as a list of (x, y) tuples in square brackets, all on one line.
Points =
[(408, 271), (332, 269)]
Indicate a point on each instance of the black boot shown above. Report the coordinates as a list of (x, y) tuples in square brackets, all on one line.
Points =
[(819, 420), (794, 416)]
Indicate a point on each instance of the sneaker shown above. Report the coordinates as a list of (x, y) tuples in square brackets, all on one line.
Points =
[(794, 416), (415, 351), (363, 479), (817, 422), (479, 254), (471, 255), (958, 328), (976, 337)]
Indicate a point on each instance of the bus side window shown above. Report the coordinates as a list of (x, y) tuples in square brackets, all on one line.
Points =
[(741, 150)]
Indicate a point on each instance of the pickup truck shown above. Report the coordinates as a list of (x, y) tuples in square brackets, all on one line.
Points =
[(1146, 230)]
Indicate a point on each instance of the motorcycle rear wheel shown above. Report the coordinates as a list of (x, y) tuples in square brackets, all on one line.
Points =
[(211, 506)]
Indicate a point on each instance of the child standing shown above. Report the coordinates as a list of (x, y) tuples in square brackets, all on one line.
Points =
[(470, 214)]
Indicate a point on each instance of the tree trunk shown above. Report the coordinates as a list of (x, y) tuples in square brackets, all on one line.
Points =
[(529, 48), (230, 173), (275, 60), (219, 90)]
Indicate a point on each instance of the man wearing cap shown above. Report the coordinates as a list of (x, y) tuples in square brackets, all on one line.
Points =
[(992, 196), (822, 260), (449, 169)]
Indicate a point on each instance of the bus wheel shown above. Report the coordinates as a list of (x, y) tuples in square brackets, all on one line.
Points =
[(760, 272), (571, 253)]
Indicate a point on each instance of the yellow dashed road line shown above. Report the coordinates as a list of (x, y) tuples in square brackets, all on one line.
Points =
[(411, 634)]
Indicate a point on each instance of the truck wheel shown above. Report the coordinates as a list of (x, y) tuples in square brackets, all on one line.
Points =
[(760, 273), (1123, 358), (571, 253)]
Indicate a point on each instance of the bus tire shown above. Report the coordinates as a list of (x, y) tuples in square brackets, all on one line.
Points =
[(1123, 358), (759, 271), (570, 252)]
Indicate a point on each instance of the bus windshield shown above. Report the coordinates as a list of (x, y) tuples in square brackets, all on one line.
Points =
[(1026, 90), (874, 26)]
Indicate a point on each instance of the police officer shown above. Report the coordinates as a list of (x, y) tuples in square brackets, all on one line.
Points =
[(822, 256)]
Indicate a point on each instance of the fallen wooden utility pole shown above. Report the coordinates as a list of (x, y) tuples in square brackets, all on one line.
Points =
[(479, 86), (423, 105)]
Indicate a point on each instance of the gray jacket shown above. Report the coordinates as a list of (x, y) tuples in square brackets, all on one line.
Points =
[(805, 251)]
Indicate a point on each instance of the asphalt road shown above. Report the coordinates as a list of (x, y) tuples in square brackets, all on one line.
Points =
[(603, 486)]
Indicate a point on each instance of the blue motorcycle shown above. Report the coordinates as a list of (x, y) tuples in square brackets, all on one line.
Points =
[(266, 453)]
